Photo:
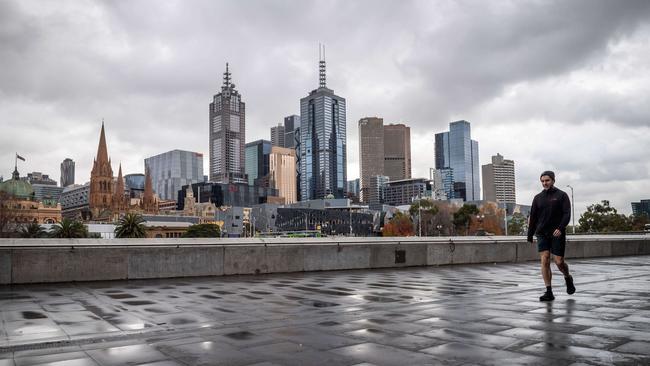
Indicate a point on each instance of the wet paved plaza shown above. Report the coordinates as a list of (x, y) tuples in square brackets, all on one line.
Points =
[(452, 315)]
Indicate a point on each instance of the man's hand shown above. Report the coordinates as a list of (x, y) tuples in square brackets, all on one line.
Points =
[(557, 233), (530, 240)]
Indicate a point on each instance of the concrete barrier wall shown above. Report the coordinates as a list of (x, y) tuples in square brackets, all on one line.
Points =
[(47, 260)]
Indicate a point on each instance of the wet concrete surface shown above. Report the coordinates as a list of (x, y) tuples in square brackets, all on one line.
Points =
[(452, 315)]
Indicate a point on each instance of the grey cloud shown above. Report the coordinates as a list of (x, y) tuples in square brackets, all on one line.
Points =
[(150, 69)]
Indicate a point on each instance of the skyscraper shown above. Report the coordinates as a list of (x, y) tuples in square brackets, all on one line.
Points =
[(323, 155), (291, 136), (227, 134), (277, 135), (67, 172), (257, 160), (456, 150), (397, 151), (499, 180), (172, 170), (282, 172), (371, 153)]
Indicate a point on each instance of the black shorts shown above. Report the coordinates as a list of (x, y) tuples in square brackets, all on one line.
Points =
[(555, 244)]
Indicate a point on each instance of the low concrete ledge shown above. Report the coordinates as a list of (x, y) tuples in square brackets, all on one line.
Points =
[(68, 260)]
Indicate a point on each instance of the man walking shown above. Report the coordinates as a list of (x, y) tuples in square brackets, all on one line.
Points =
[(549, 216)]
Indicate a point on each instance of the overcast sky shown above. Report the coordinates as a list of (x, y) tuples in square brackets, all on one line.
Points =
[(561, 85)]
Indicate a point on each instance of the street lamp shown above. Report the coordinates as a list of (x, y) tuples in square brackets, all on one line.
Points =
[(439, 227), (480, 223), (420, 214), (350, 211), (573, 211)]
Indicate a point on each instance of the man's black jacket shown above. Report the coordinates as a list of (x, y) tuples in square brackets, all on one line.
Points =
[(551, 209)]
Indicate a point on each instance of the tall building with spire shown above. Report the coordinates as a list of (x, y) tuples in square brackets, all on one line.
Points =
[(100, 198), (227, 134), (323, 155)]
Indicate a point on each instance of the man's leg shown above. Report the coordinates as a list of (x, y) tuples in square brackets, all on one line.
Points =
[(561, 265), (564, 268), (545, 257)]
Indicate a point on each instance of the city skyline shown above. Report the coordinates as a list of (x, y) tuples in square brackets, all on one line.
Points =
[(580, 91)]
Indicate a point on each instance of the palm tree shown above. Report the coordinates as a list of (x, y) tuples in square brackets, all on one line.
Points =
[(33, 230), (130, 225), (69, 229)]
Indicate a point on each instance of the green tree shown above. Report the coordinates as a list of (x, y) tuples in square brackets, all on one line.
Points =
[(517, 224), (131, 225), (69, 229), (203, 231), (601, 217), (463, 217), (638, 222), (32, 230), (428, 210)]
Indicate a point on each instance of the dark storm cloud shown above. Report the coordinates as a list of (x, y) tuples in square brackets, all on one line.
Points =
[(484, 48)]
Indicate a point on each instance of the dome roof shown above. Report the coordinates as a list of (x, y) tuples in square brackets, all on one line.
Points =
[(17, 188)]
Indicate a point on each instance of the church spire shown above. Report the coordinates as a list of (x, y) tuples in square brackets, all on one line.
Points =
[(102, 151)]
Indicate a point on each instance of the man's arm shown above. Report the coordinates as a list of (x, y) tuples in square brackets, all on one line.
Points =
[(566, 212), (532, 220)]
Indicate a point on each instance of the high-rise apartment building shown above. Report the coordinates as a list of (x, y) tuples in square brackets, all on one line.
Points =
[(291, 134), (371, 153), (278, 135), (456, 150), (227, 134), (323, 155), (282, 172), (172, 170), (67, 172), (257, 161), (292, 141), (376, 188), (397, 151), (384, 150), (499, 180)]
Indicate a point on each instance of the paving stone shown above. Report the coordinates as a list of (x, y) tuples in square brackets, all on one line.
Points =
[(637, 347), (139, 353), (208, 353), (486, 340), (55, 357), (560, 350), (393, 339), (385, 355), (466, 353)]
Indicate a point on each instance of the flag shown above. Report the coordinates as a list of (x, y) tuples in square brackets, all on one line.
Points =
[(20, 157)]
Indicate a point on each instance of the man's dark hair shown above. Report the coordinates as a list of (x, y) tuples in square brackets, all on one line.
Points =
[(549, 173)]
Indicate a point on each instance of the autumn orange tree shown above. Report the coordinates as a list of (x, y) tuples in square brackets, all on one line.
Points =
[(490, 218), (399, 225)]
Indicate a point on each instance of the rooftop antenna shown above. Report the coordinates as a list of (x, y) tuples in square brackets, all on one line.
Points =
[(321, 65), (226, 77)]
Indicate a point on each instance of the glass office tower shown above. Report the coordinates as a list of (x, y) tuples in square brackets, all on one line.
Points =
[(323, 169), (171, 170), (456, 150)]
